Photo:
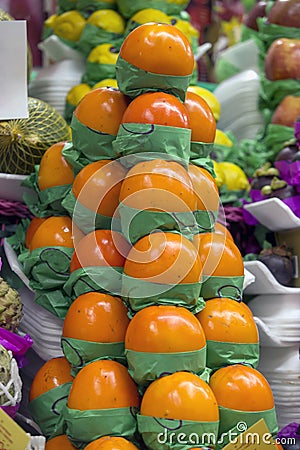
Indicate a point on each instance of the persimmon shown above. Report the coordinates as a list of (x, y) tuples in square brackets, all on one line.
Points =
[(201, 118), (54, 231), (32, 227), (167, 258), (242, 388), (205, 187), (158, 48), (96, 317), (183, 396), (219, 228), (59, 442), (53, 373), (102, 109), (158, 185), (100, 248), (219, 255), (103, 384), (210, 99), (227, 320), (111, 443), (54, 169), (164, 329), (97, 186), (157, 108)]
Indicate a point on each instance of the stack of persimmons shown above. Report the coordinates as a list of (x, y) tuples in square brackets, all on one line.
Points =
[(160, 351)]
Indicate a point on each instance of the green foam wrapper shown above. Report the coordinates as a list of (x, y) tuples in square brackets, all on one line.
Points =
[(106, 279), (55, 301), (66, 5), (169, 434), (87, 7), (76, 158), (83, 427), (92, 36), (137, 223), (86, 219), (276, 137), (128, 8), (145, 367), (186, 295), (134, 81), (47, 202), (269, 32), (220, 354), (68, 112), (47, 408), (92, 143), (199, 155), (79, 352), (96, 72), (17, 239), (205, 220), (47, 268), (163, 141), (271, 93), (234, 422), (215, 286)]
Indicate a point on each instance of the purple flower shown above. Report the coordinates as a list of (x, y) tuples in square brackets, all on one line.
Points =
[(291, 430)]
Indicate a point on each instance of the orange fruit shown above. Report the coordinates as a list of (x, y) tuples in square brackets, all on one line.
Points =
[(97, 186), (53, 373), (158, 48), (59, 442), (227, 320), (167, 258), (222, 229), (111, 443), (54, 231), (205, 188), (182, 396), (102, 109), (96, 317), (164, 329), (201, 118), (157, 108), (158, 185), (219, 255), (32, 227), (103, 384), (241, 387), (100, 248), (54, 169)]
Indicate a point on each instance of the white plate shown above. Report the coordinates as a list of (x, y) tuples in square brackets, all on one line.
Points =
[(10, 187), (14, 263)]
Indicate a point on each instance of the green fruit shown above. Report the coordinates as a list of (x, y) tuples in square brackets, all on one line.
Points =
[(5, 373), (10, 307)]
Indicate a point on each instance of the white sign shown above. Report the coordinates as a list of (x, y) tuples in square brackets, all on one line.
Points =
[(13, 70)]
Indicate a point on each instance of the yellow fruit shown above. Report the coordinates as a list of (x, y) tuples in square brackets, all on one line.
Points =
[(111, 82), (108, 20), (186, 27), (150, 15), (49, 23), (69, 25), (104, 54), (220, 177), (76, 93), (210, 98), (222, 139), (234, 177)]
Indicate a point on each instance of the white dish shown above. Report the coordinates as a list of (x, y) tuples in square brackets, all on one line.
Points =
[(14, 263), (243, 55), (56, 50), (274, 214), (265, 282), (10, 187)]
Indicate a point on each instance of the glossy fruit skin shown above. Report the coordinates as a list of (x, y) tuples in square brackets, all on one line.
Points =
[(164, 329), (157, 108), (59, 442), (100, 248), (166, 258), (111, 443), (54, 169), (219, 256), (158, 185), (97, 186), (53, 373), (210, 99), (241, 387), (201, 118), (205, 187), (227, 320), (285, 13), (54, 231), (108, 20), (103, 384), (104, 54), (219, 228), (102, 109), (182, 396), (32, 227), (96, 317), (159, 48)]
